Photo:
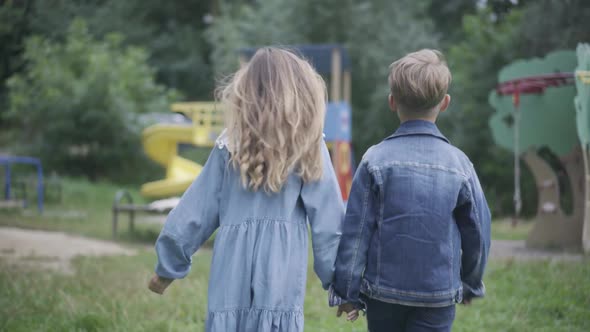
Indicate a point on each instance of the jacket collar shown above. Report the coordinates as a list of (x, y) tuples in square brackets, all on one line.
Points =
[(418, 127)]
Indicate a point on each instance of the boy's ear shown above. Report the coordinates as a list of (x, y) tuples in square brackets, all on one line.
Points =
[(391, 102), (444, 104)]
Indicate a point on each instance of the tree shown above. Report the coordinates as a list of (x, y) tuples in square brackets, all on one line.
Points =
[(447, 17), (13, 29), (239, 25), (487, 46), (395, 29), (171, 32), (567, 27), (76, 103)]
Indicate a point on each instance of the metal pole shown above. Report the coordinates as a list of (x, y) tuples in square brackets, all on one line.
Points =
[(336, 77), (8, 180), (40, 191), (517, 195)]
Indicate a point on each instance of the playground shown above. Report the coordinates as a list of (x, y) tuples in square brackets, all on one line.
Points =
[(90, 168)]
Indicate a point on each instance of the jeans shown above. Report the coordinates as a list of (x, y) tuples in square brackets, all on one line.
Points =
[(388, 317)]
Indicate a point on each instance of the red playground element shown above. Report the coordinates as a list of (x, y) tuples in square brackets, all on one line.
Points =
[(533, 85)]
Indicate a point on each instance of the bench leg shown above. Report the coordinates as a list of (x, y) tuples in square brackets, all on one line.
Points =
[(115, 215), (131, 221)]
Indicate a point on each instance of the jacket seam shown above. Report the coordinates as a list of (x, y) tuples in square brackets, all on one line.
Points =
[(419, 133), (379, 226), (262, 220), (474, 210), (269, 309), (433, 295), (442, 303), (357, 244), (373, 168), (452, 258)]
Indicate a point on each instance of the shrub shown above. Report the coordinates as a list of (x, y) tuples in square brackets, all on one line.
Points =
[(77, 102)]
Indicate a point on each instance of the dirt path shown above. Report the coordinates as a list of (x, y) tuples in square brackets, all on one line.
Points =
[(55, 250), (51, 250)]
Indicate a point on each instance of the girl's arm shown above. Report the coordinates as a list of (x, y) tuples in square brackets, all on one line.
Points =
[(191, 222), (325, 210)]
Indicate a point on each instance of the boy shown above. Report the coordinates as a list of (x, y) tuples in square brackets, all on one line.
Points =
[(416, 235)]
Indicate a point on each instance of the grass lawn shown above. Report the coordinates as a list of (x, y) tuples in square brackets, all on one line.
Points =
[(503, 230), (110, 294)]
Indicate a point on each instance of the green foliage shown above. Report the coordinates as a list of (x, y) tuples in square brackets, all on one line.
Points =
[(550, 25), (76, 104), (488, 45), (447, 16), (396, 28), (247, 25), (13, 30), (326, 20), (170, 30)]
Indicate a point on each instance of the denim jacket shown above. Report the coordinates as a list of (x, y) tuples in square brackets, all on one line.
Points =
[(417, 225)]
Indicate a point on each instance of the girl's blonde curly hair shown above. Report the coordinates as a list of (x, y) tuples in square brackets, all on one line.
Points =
[(275, 107)]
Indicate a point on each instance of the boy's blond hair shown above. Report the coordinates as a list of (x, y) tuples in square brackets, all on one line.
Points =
[(419, 81), (275, 107)]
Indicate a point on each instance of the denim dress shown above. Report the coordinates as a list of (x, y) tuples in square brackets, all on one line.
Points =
[(259, 266)]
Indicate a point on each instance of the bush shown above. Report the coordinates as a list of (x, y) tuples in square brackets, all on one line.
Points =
[(76, 104)]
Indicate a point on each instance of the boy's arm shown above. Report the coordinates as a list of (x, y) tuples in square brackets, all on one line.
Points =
[(473, 220), (325, 210), (358, 227), (192, 221)]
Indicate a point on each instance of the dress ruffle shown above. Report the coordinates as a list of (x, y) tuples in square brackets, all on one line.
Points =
[(260, 320)]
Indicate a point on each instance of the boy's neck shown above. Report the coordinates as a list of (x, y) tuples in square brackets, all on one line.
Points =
[(430, 116), (425, 118)]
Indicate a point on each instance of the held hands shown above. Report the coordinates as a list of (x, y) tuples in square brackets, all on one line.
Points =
[(352, 313), (158, 284)]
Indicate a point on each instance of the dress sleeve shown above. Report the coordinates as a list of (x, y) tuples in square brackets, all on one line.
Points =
[(325, 210), (192, 221)]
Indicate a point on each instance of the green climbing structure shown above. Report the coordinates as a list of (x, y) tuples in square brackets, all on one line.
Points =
[(546, 119), (534, 107)]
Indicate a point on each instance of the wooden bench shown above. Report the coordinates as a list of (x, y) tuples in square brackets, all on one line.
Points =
[(12, 204), (131, 209)]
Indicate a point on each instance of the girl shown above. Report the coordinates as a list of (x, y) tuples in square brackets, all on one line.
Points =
[(269, 173)]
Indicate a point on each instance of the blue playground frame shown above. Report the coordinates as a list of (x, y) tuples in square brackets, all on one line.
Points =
[(7, 161)]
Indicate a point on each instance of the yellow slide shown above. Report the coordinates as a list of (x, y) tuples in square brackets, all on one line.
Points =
[(160, 143)]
